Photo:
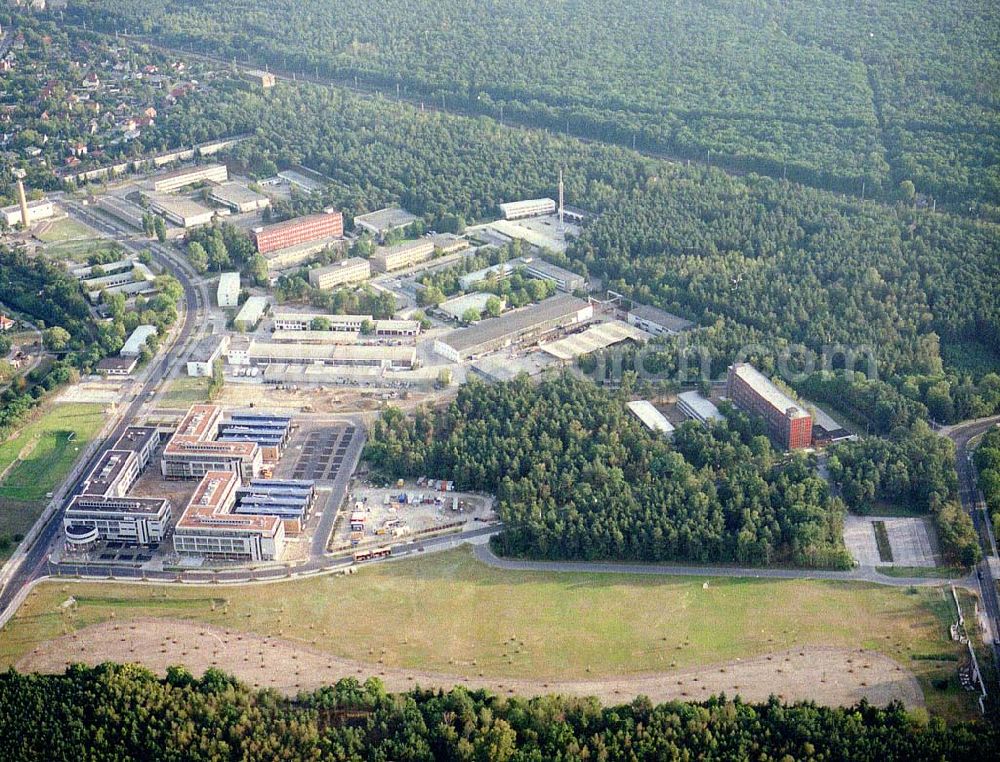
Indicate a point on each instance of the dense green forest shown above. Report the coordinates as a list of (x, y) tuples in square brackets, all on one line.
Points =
[(880, 97), (114, 712), (913, 469), (578, 476), (987, 461)]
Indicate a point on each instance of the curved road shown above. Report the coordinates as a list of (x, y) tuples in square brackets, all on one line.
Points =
[(972, 500), (33, 564)]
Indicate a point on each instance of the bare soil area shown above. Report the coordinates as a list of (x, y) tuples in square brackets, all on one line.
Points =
[(830, 676)]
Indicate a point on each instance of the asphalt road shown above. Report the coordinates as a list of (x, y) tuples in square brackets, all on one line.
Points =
[(35, 562), (484, 554), (972, 501)]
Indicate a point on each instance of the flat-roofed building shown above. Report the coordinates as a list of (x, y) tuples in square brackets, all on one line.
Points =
[(265, 80), (457, 307), (397, 327), (102, 508), (697, 408), (301, 253), (168, 182), (250, 313), (266, 429), (383, 221), (342, 356), (303, 321), (113, 475), (180, 211), (656, 321), (449, 243), (137, 340), (345, 272), (109, 268), (316, 337), (206, 352), (142, 440), (500, 271), (327, 224), (228, 292), (402, 255), (117, 366), (565, 280), (39, 210), (532, 207), (651, 418), (516, 327), (787, 421), (192, 451), (238, 198), (208, 526), (142, 520), (122, 210), (289, 499)]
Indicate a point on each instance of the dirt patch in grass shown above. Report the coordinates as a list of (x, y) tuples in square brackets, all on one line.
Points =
[(831, 676)]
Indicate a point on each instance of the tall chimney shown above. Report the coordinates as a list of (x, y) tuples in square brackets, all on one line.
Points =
[(560, 198), (23, 201)]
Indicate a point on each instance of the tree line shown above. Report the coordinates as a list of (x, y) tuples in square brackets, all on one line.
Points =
[(578, 476), (125, 712), (913, 469)]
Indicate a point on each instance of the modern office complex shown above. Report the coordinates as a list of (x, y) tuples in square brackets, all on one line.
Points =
[(289, 499), (751, 390), (327, 224), (102, 509), (266, 429), (402, 255), (208, 526), (169, 182), (533, 207), (518, 326), (193, 450)]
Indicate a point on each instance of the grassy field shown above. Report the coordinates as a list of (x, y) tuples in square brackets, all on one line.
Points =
[(69, 239), (448, 612), (47, 446), (64, 230), (184, 391)]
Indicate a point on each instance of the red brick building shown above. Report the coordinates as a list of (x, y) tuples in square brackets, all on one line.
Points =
[(752, 391), (281, 235)]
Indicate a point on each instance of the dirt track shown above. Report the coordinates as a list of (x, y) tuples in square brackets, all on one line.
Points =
[(828, 676)]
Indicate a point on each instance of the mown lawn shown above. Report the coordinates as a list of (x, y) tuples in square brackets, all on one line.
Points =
[(447, 612), (48, 446)]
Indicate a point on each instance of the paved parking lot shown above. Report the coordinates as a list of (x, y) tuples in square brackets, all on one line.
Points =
[(321, 452), (912, 541)]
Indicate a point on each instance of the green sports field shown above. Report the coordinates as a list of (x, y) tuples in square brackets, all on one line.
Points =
[(447, 612)]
